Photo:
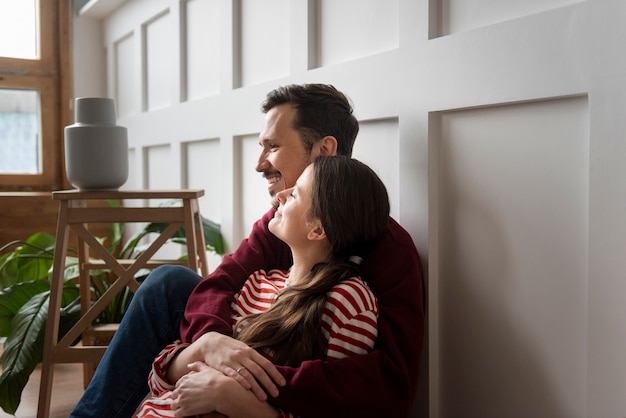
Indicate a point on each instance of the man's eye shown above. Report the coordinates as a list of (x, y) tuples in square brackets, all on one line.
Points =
[(273, 146)]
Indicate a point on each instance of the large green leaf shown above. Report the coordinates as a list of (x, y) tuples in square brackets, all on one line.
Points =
[(8, 269), (31, 260), (13, 298), (23, 348)]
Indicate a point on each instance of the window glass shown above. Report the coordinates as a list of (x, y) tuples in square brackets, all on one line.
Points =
[(19, 132), (19, 22)]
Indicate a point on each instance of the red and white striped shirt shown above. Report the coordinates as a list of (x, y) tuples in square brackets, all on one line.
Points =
[(349, 323)]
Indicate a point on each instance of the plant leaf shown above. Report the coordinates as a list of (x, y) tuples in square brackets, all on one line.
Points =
[(131, 244), (213, 236), (72, 270), (8, 269), (13, 298), (31, 260), (23, 348)]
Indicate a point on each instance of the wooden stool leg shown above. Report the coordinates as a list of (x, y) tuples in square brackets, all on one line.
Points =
[(200, 243), (196, 247), (190, 233), (54, 313)]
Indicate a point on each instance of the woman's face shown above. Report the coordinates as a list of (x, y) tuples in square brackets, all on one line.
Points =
[(291, 223)]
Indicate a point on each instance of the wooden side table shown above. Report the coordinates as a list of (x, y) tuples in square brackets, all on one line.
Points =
[(74, 214)]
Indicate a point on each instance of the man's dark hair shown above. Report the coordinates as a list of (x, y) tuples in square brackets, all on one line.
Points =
[(322, 110)]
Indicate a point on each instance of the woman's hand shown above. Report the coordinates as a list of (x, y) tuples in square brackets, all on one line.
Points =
[(208, 393), (244, 364), (234, 359)]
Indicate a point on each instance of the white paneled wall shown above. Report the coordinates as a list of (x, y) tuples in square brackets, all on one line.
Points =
[(160, 61), (264, 36), (202, 48), (343, 34), (496, 125), (253, 187), (513, 225), (124, 84), (462, 15), (378, 147), (203, 159)]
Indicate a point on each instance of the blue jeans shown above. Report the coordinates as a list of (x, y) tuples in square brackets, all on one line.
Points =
[(152, 321)]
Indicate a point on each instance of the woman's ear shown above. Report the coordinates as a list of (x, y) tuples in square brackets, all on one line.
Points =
[(316, 232), (328, 146)]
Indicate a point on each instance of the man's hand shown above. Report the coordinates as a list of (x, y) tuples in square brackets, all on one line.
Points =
[(244, 364), (195, 393)]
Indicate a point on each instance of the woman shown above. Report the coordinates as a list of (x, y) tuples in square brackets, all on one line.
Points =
[(320, 308)]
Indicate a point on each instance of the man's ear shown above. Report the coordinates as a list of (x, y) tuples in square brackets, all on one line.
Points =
[(328, 145)]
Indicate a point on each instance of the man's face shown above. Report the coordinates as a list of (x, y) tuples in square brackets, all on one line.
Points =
[(283, 156)]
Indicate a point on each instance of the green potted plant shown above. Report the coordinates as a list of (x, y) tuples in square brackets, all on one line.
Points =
[(25, 268)]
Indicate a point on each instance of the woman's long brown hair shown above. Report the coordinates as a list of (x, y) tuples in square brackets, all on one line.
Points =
[(353, 206)]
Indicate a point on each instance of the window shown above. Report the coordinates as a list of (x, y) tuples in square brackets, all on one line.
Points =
[(31, 91), (20, 131), (19, 23)]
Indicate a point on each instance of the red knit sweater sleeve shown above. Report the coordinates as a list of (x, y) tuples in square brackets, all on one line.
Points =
[(208, 307), (383, 382)]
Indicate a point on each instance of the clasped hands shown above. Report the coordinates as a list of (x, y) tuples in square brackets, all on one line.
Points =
[(205, 373)]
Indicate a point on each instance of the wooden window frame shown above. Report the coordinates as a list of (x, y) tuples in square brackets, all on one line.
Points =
[(51, 76)]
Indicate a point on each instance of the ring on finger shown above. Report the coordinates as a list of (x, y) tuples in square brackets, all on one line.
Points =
[(239, 369)]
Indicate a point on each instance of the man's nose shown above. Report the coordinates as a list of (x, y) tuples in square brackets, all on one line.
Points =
[(262, 163)]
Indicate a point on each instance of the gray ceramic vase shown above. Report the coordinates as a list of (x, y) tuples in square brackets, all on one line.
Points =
[(96, 149)]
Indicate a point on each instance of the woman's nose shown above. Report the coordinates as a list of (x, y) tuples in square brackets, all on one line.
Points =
[(282, 195)]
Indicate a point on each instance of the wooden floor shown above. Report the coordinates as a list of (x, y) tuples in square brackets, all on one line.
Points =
[(67, 389)]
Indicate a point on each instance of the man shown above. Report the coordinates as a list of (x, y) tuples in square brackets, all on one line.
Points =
[(302, 122)]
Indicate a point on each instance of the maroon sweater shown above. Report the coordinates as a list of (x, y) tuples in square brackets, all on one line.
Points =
[(381, 383)]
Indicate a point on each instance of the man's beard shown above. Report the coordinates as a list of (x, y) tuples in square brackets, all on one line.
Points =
[(274, 199)]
